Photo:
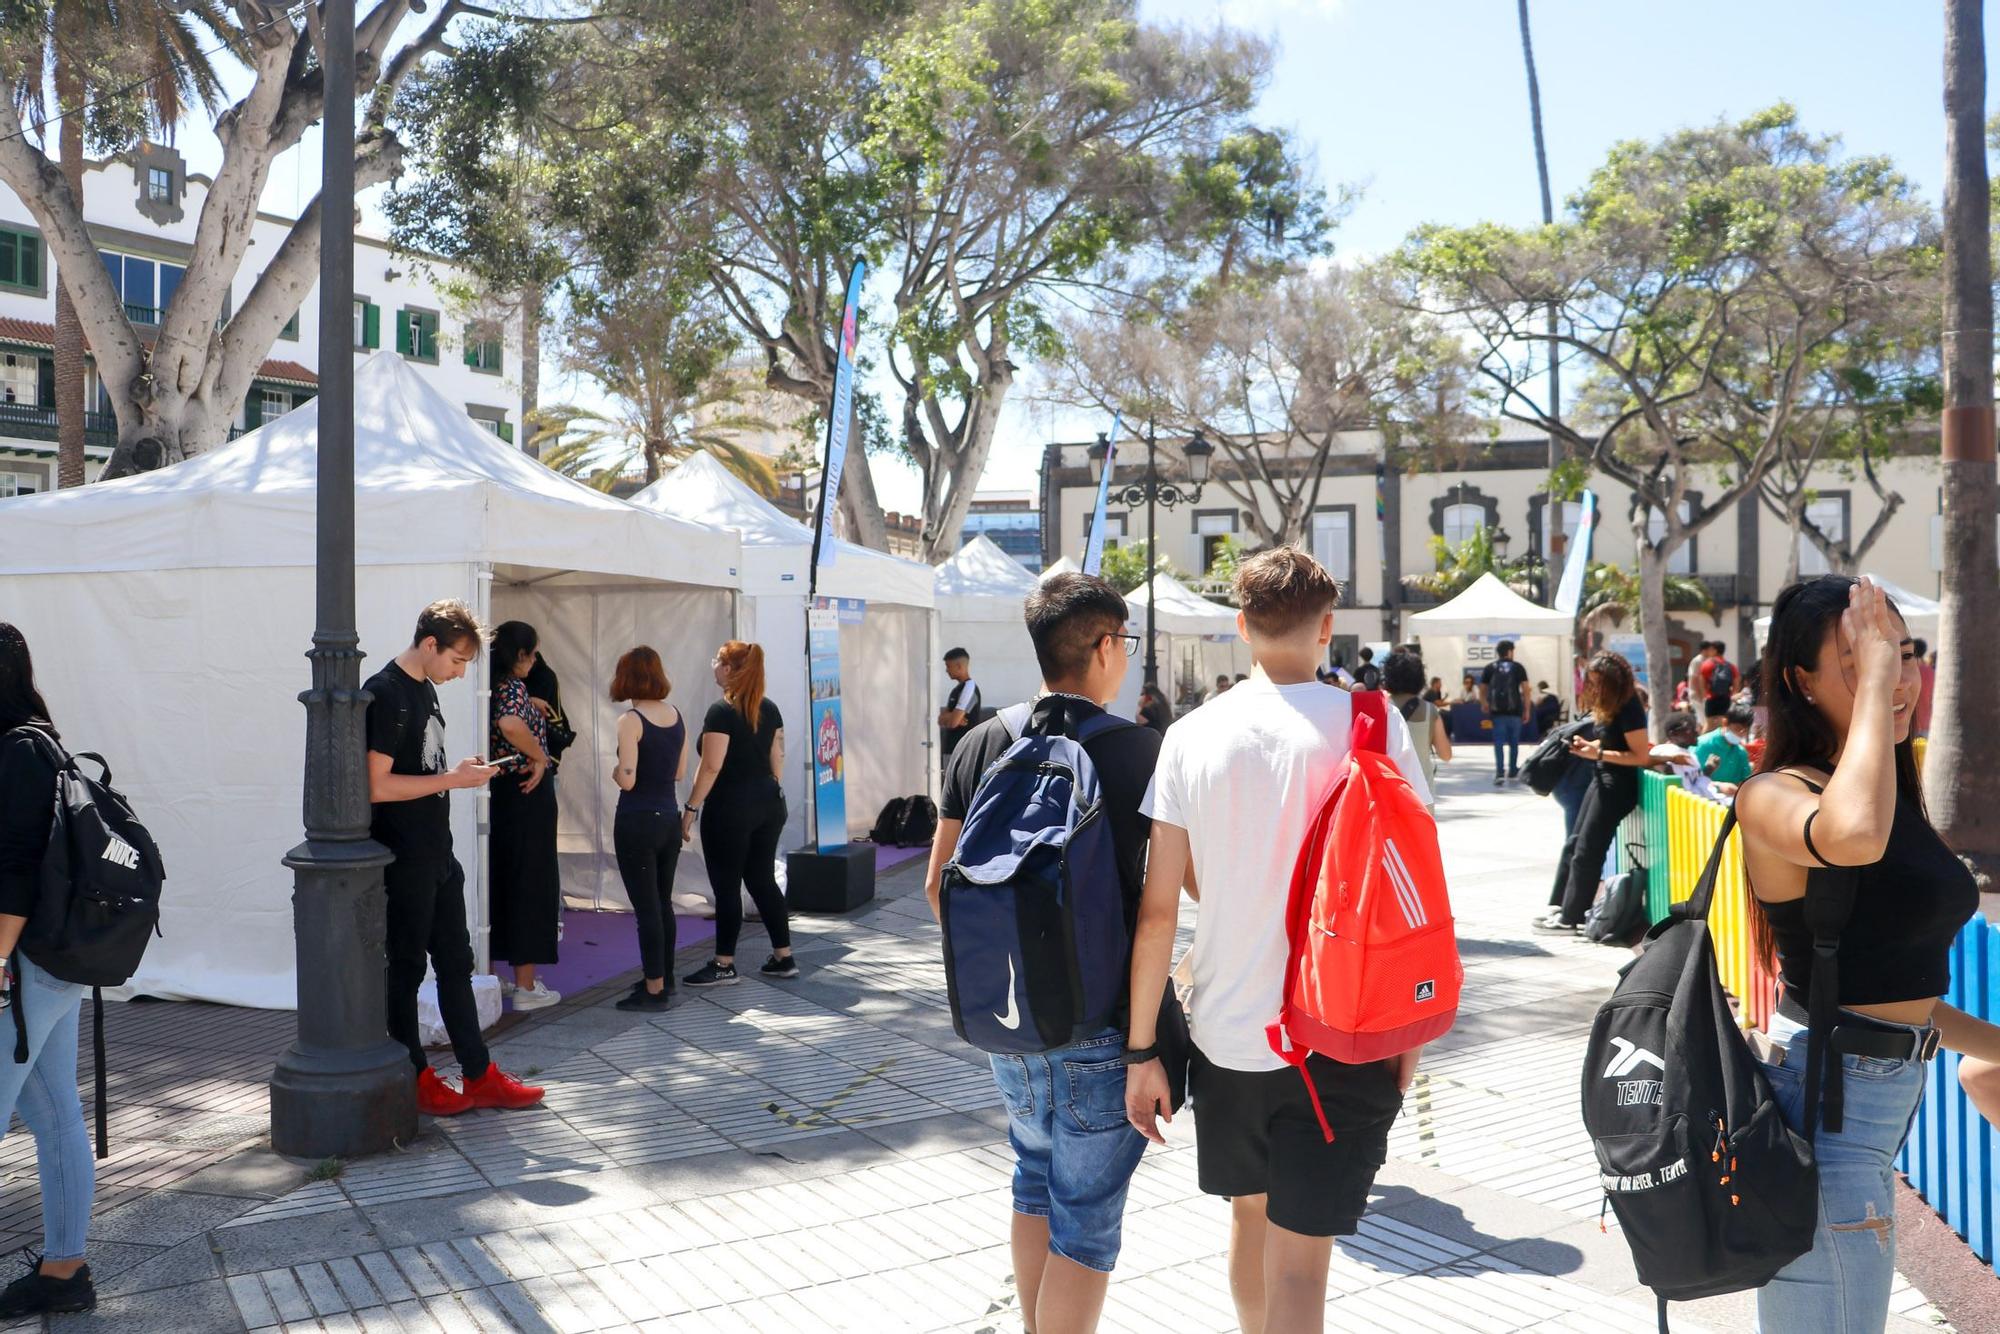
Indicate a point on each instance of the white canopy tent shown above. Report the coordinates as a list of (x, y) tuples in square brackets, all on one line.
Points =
[(1197, 637), (169, 613), (1461, 635), (1062, 565), (1920, 614), (888, 663), (980, 592)]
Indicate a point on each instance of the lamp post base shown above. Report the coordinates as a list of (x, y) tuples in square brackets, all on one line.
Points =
[(343, 1104)]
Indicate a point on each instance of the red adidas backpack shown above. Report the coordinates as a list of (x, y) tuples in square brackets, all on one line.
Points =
[(1374, 968)]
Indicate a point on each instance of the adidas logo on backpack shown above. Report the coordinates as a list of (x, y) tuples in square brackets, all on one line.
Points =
[(1374, 968)]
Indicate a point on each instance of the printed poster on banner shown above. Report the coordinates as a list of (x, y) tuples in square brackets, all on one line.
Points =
[(838, 420), (829, 749), (1483, 649), (1633, 648)]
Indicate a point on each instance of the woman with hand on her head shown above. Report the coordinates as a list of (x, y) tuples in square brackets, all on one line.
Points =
[(738, 798), (1838, 788)]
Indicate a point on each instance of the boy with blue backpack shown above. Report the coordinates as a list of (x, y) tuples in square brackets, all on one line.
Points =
[(1035, 874)]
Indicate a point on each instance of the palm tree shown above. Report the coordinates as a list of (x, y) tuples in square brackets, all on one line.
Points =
[(137, 65), (1965, 732), (1611, 595), (1459, 567), (1555, 512), (598, 448)]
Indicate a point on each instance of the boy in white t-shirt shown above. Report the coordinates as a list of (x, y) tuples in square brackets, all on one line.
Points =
[(1237, 783)]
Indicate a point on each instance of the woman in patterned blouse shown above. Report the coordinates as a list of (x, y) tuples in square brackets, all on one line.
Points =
[(526, 886)]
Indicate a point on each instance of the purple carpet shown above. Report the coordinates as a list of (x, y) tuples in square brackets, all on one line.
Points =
[(598, 946), (886, 857)]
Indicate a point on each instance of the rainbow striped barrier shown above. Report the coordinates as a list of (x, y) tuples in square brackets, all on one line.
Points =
[(1952, 1152)]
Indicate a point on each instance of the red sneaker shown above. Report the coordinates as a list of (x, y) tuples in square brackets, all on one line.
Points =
[(497, 1088), (437, 1098)]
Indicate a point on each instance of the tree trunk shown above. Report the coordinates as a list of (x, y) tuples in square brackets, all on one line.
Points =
[(531, 367), (69, 405), (965, 465), (1963, 763), (1653, 624)]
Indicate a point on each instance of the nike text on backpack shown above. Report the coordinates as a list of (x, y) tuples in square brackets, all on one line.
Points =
[(1544, 770), (97, 903), (1374, 968), (1036, 949), (1721, 680), (1714, 1192)]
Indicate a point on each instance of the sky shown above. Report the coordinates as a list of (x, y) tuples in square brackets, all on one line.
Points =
[(1423, 104)]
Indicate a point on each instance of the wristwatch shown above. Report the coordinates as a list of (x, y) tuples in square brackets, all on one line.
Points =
[(692, 809), (1141, 1055)]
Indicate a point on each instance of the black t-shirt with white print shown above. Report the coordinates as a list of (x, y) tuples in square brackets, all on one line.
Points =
[(406, 724)]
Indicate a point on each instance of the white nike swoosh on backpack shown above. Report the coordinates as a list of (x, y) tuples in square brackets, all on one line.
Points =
[(1011, 1017)]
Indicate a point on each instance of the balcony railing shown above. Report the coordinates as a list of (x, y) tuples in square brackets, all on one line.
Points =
[(149, 315), (28, 421), (1726, 589)]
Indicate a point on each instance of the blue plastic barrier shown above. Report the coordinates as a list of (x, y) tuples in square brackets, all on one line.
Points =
[(1950, 1154)]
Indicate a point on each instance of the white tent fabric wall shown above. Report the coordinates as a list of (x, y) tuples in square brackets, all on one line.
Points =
[(981, 595), (170, 612), (1191, 631), (1542, 635), (887, 663), (584, 631)]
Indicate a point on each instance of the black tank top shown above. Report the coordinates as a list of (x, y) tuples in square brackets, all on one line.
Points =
[(659, 760), (1908, 908)]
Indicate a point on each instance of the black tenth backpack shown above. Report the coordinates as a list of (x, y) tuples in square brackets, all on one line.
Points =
[(97, 903), (1714, 1192)]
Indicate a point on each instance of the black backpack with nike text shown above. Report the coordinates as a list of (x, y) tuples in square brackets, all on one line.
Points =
[(97, 901), (1714, 1192)]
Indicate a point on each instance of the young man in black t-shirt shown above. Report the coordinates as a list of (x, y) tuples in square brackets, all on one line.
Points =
[(962, 705), (1503, 693), (1069, 1182), (408, 787)]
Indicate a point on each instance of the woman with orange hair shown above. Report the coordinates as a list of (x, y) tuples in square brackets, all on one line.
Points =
[(738, 798)]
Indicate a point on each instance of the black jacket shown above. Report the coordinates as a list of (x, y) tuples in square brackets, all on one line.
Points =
[(27, 810)]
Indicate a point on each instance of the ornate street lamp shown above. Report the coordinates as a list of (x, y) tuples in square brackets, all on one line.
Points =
[(343, 1088), (1153, 492)]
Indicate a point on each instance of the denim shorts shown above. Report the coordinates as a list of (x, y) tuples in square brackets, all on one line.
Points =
[(1841, 1286), (1074, 1151)]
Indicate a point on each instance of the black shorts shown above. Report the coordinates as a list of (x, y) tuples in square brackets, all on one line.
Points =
[(1256, 1134), (1711, 707)]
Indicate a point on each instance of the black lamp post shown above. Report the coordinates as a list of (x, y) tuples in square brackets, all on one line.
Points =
[(343, 1088), (1153, 492)]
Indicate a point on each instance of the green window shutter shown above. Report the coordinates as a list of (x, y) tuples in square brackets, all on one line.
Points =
[(403, 344), (31, 261), (427, 345), (371, 326), (494, 351), (471, 350), (507, 432), (253, 409)]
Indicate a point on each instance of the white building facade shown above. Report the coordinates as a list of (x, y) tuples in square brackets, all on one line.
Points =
[(142, 209)]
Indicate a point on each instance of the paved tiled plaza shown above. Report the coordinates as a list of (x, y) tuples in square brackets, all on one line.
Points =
[(825, 1155)]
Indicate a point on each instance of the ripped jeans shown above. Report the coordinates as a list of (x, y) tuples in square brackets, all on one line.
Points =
[(1841, 1286)]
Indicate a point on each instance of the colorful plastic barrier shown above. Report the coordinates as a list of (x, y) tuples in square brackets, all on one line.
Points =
[(1952, 1152)]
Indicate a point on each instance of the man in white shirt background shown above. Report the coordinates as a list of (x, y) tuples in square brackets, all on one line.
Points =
[(1236, 785)]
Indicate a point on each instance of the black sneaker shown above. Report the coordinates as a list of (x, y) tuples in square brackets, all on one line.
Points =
[(35, 1292), (712, 974), (642, 999), (776, 967)]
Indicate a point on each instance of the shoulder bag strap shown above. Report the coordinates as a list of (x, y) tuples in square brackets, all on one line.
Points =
[(1015, 719), (1830, 894), (1369, 704)]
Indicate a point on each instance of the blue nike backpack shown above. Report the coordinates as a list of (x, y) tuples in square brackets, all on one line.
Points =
[(1036, 949)]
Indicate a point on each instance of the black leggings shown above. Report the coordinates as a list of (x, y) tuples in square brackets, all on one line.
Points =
[(739, 841), (1611, 798), (649, 848)]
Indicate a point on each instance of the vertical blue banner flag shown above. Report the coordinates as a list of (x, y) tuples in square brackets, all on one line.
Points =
[(829, 750), (837, 426), (1569, 593), (1093, 549)]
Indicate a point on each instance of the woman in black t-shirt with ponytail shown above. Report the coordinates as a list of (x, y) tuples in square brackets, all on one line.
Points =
[(738, 798)]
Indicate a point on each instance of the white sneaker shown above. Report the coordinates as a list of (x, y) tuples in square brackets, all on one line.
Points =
[(539, 997), (507, 987)]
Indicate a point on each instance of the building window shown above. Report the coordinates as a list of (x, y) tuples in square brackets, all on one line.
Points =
[(275, 403), (416, 334), (1829, 515), (367, 325), (492, 420), (1333, 542), (1114, 530), (160, 185), (1213, 528), (1682, 561), (20, 378), (1572, 524), (483, 349), (146, 286), (1461, 521), (291, 329), (17, 484), (20, 259)]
